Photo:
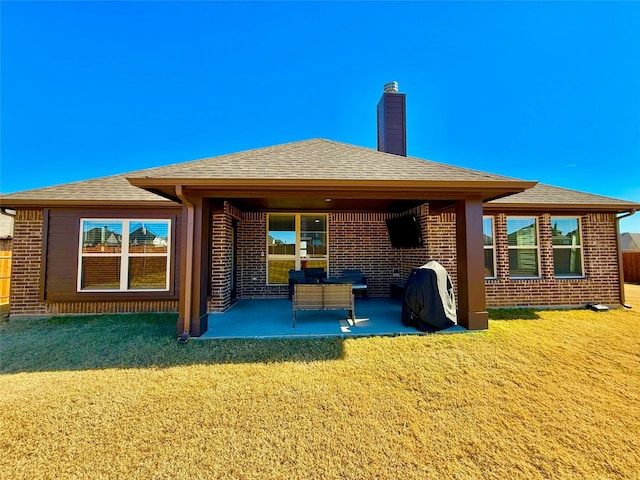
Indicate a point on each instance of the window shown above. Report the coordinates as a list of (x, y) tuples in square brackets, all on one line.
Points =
[(522, 234), (295, 241), (489, 247), (124, 255), (567, 247)]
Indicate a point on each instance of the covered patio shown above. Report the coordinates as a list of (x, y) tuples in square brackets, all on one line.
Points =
[(319, 177), (271, 318)]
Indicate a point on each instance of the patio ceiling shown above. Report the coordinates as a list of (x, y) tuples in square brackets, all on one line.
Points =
[(311, 204), (328, 195)]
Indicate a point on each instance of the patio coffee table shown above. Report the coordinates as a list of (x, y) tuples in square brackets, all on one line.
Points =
[(356, 287), (337, 280)]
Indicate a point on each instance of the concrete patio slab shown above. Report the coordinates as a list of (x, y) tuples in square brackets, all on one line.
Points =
[(271, 318)]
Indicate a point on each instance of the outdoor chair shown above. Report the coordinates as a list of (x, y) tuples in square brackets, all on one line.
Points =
[(359, 281), (323, 297), (295, 277), (305, 276)]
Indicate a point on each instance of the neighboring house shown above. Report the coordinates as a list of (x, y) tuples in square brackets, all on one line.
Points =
[(6, 228), (229, 227), (630, 246), (6, 245), (630, 242)]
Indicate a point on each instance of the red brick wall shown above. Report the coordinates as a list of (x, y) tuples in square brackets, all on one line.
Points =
[(222, 257), (252, 260), (409, 258), (600, 283), (440, 239), (356, 240), (439, 236), (361, 241), (26, 264)]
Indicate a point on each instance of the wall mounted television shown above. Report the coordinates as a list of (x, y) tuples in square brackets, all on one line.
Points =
[(404, 231)]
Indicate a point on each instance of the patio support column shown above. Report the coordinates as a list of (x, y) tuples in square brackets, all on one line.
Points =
[(193, 265), (472, 310)]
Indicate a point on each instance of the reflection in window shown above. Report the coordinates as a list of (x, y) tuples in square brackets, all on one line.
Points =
[(567, 247), (282, 234), (100, 273), (313, 235), (522, 235), (124, 255), (148, 237), (295, 241), (101, 237), (147, 272), (489, 247), (279, 271)]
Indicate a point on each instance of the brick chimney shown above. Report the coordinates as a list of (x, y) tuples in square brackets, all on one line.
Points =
[(392, 125)]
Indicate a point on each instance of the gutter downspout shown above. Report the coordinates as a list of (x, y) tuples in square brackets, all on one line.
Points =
[(620, 269), (188, 266)]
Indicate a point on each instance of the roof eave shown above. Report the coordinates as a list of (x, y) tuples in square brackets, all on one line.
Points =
[(561, 207), (45, 203), (488, 189)]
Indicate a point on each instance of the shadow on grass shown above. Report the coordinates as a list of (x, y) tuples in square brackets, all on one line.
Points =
[(138, 341), (513, 314)]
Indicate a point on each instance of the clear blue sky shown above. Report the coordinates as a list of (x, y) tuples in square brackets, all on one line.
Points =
[(537, 90)]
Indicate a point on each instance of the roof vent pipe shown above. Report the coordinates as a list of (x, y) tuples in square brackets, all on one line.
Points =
[(391, 87)]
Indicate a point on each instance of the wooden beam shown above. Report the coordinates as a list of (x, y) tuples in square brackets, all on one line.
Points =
[(193, 263), (472, 311)]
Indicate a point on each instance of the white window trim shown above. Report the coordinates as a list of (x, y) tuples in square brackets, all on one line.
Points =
[(124, 255), (492, 246), (526, 247), (296, 257), (572, 217)]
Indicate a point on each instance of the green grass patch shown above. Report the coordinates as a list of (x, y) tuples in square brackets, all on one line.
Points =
[(136, 341), (512, 314)]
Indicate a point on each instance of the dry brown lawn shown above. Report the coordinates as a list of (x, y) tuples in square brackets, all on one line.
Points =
[(555, 394)]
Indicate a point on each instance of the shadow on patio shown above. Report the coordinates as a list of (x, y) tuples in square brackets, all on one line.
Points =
[(271, 318)]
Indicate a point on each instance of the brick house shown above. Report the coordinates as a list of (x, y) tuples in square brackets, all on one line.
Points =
[(194, 237)]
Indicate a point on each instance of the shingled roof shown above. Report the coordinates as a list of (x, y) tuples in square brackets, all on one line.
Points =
[(310, 160), (304, 163), (630, 242), (548, 197), (318, 159), (112, 190)]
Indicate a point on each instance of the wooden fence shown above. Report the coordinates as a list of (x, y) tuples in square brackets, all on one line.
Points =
[(631, 266), (5, 275)]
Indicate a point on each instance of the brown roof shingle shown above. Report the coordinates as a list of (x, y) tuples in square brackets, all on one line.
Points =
[(104, 190), (547, 195), (309, 159), (318, 159), (630, 242), (315, 159)]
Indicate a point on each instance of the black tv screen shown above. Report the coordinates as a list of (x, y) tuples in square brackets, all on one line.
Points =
[(404, 232)]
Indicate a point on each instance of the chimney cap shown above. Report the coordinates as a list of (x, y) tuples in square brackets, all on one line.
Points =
[(391, 87)]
